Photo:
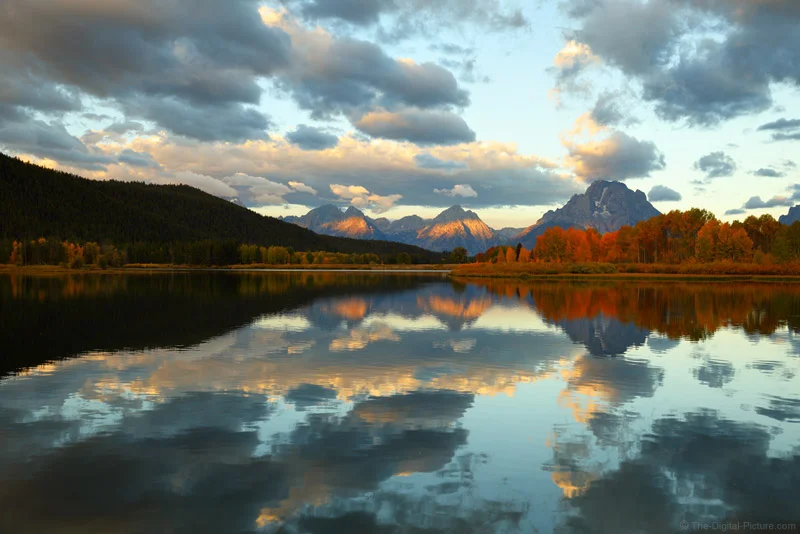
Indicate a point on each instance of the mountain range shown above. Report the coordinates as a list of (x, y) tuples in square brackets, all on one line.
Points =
[(454, 227), (605, 206)]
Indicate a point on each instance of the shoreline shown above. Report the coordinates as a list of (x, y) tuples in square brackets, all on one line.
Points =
[(644, 272), (255, 268), (459, 272)]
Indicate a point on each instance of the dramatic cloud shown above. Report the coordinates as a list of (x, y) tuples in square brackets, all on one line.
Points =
[(418, 126), (617, 156), (310, 138), (190, 69), (331, 76), (716, 165), (497, 171), (459, 190), (199, 72), (702, 61), (427, 161), (661, 193), (52, 141), (769, 173)]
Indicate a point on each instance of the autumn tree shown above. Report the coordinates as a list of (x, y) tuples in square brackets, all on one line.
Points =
[(706, 244), (552, 245), (511, 255)]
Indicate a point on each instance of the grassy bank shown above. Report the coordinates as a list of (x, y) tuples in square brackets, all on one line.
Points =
[(697, 271)]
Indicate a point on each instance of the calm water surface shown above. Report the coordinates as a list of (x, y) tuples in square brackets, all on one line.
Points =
[(327, 403)]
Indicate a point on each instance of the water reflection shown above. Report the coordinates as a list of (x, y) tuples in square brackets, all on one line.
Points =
[(323, 402)]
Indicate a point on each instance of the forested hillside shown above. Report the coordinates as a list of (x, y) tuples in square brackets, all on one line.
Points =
[(38, 202)]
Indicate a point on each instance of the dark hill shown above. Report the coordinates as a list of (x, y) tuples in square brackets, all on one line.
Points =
[(39, 202)]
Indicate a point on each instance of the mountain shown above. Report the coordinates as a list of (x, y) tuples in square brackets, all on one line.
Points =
[(454, 227), (39, 202), (792, 216), (605, 206), (330, 220)]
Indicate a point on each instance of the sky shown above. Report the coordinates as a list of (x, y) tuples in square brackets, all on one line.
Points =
[(506, 107)]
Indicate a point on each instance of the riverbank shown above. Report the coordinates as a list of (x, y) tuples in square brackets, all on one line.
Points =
[(148, 267), (573, 271)]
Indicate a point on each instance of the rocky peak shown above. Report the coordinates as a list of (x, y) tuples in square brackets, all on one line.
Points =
[(327, 212), (455, 213), (352, 211), (792, 216)]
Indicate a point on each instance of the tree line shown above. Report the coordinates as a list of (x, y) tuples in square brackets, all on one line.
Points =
[(677, 237), (208, 253)]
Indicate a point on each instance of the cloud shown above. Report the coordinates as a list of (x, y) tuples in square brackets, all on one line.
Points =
[(124, 127), (735, 211), (302, 188), (223, 121), (332, 76), (192, 70), (617, 156), (661, 193), (137, 159), (427, 161), (569, 63), (349, 192), (403, 18), (608, 111), (52, 141), (786, 137), (417, 126), (769, 173), (716, 165), (783, 129), (205, 183), (311, 138), (700, 61), (781, 124), (502, 174), (756, 202), (260, 191), (458, 190), (361, 198)]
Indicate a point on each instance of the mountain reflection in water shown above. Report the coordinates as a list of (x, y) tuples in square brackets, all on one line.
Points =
[(327, 402)]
